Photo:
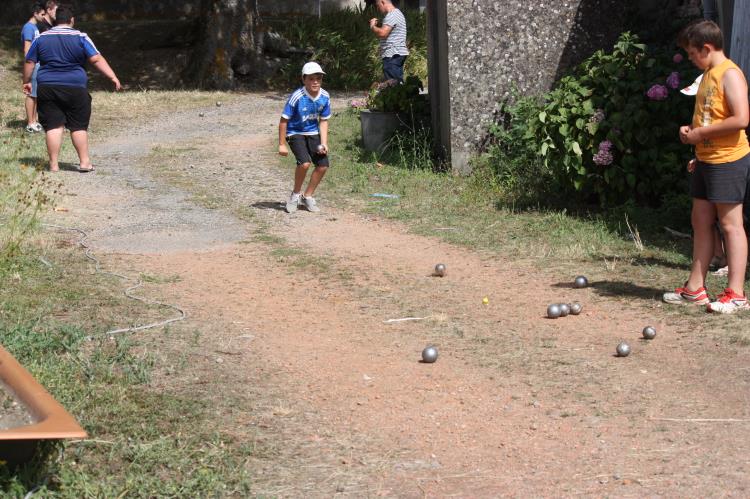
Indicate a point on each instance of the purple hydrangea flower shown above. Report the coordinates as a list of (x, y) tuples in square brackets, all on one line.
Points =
[(604, 156), (673, 80), (657, 92), (677, 58)]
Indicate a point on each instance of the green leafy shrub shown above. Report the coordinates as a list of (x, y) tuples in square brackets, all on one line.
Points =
[(342, 42), (608, 132), (406, 98)]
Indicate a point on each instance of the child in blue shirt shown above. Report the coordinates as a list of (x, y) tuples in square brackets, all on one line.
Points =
[(304, 126), (29, 32)]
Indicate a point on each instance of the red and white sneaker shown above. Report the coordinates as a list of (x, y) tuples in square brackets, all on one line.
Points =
[(728, 302), (683, 296)]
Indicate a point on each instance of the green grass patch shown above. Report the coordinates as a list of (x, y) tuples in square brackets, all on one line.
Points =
[(143, 441)]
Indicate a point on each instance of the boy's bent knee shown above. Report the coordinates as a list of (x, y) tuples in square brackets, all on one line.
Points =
[(304, 166)]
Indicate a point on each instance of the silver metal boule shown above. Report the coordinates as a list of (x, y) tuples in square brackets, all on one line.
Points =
[(218, 103), (580, 282), (575, 308), (564, 309), (429, 354), (321, 150), (553, 311), (649, 332), (623, 349), (440, 269)]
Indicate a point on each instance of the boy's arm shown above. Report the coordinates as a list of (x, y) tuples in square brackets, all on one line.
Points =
[(324, 134), (735, 93), (382, 31), (101, 64), (26, 47), (283, 151), (28, 70)]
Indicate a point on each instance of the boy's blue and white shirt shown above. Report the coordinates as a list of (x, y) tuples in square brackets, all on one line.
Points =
[(63, 52), (303, 112)]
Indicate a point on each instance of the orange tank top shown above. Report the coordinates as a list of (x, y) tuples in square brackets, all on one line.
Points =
[(711, 107)]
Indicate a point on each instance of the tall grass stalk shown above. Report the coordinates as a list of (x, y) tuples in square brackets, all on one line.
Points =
[(23, 193)]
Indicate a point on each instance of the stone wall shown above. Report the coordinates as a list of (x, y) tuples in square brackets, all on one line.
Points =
[(498, 47)]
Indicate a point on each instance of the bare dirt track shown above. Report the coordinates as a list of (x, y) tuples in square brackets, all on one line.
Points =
[(286, 337)]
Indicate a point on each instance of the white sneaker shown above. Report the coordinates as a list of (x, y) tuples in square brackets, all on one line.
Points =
[(310, 204), (728, 302), (293, 203), (38, 127)]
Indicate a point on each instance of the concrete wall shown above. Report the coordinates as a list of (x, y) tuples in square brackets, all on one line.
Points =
[(496, 47)]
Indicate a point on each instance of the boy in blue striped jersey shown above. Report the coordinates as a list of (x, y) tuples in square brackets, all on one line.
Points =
[(304, 126)]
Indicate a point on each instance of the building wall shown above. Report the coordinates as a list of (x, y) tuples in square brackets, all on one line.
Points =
[(498, 47)]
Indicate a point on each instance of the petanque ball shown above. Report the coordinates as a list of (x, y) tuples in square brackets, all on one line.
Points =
[(564, 309), (623, 349), (321, 150), (575, 308), (553, 311), (201, 115), (218, 103), (429, 355), (580, 282), (440, 269), (649, 332)]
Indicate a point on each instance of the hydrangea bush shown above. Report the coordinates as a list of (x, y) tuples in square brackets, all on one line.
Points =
[(608, 132)]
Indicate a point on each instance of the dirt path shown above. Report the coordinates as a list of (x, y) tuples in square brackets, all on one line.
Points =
[(294, 353)]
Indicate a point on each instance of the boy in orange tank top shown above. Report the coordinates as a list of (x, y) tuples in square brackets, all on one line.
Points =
[(720, 169)]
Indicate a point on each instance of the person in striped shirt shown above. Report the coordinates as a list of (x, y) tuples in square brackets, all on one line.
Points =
[(392, 35)]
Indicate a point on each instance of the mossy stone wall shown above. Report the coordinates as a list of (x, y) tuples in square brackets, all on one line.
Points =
[(497, 48)]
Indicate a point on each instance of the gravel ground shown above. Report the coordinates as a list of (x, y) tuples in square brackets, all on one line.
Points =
[(151, 216)]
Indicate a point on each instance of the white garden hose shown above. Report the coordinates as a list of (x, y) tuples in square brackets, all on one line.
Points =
[(128, 291)]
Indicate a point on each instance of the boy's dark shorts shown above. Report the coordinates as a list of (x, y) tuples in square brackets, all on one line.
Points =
[(724, 183), (305, 149), (64, 106)]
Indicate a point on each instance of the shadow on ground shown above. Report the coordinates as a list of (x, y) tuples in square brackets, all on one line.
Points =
[(269, 205), (618, 289), (625, 289)]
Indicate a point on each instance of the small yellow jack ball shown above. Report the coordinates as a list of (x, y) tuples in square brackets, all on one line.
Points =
[(485, 300)]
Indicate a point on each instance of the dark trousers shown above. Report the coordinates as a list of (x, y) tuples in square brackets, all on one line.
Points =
[(393, 67)]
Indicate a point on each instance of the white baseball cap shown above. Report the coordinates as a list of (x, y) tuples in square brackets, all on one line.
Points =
[(312, 68)]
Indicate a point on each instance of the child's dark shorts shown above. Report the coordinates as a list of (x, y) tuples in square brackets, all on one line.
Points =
[(305, 149), (724, 183), (64, 106)]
